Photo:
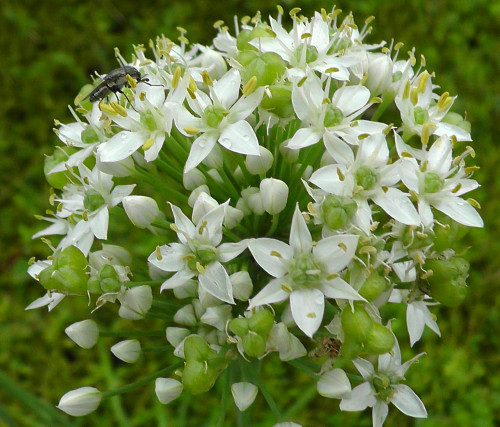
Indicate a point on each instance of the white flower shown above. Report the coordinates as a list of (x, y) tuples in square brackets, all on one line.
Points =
[(127, 350), (334, 384), (437, 182), (167, 389), (325, 118), (141, 210), (304, 272), (199, 254), (244, 394), (220, 117), (383, 386), (366, 176)]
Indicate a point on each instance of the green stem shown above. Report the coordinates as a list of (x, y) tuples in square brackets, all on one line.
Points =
[(274, 225), (303, 365), (132, 334), (144, 381), (224, 398)]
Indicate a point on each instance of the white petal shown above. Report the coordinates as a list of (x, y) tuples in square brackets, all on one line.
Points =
[(120, 146), (167, 389), (245, 106), (244, 394), (271, 255), (51, 300), (338, 288), (228, 251), (425, 212), (449, 129), (216, 282), (183, 223), (397, 204), (211, 224), (300, 237), (338, 149), (200, 149), (334, 384), (379, 414), (240, 138), (271, 293), (350, 98), (227, 88), (81, 401), (172, 257), (327, 178), (459, 210), (178, 279), (336, 252), (99, 223), (408, 402), (307, 307), (364, 367), (440, 156), (304, 137), (415, 323), (361, 397)]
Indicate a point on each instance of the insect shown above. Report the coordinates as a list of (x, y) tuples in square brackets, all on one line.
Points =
[(326, 346), (114, 81)]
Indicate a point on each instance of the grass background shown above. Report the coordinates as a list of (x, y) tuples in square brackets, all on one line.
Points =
[(48, 50)]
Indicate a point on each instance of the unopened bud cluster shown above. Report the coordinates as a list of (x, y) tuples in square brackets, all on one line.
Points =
[(295, 181)]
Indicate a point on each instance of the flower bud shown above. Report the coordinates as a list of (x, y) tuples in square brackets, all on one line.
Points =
[(196, 193), (288, 345), (198, 377), (192, 179), (274, 194), (176, 335), (127, 350), (278, 100), (215, 175), (375, 284), (81, 401), (167, 389), (260, 164), (254, 344), (244, 394), (242, 285), (121, 168), (203, 205), (255, 203), (290, 155), (266, 67), (185, 316), (232, 217), (356, 323), (141, 210), (239, 326), (196, 348), (334, 384), (379, 73), (380, 340), (261, 322), (217, 316), (84, 334), (135, 303)]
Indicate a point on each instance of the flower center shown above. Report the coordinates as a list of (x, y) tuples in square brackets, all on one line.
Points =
[(383, 386), (311, 53), (421, 115), (366, 177), (203, 255), (214, 115), (92, 200), (304, 272), (148, 120), (432, 182), (333, 116)]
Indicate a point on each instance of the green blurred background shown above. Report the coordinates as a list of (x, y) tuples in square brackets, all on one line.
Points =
[(49, 48)]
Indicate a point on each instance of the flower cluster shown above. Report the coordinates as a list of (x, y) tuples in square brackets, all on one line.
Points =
[(298, 181)]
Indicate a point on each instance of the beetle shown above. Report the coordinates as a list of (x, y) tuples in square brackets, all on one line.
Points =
[(114, 81)]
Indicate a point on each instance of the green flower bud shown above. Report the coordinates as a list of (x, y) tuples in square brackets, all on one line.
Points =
[(356, 324), (245, 36), (254, 344), (196, 348), (337, 211), (446, 237), (451, 293), (333, 116), (266, 67), (92, 200), (280, 101), (198, 377), (94, 285), (366, 177), (70, 280), (379, 340), (261, 323), (350, 349), (448, 283), (71, 256), (58, 179), (374, 286), (239, 326)]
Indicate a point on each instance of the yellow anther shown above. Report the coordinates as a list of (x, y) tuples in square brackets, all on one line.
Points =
[(311, 315), (471, 169), (52, 198), (191, 130), (364, 78), (85, 215), (331, 70), (181, 30), (424, 165), (294, 11), (145, 62), (398, 45), (31, 260), (324, 15), (368, 250), (388, 129), (280, 10), (176, 77), (119, 109), (159, 256), (419, 259), (245, 20), (457, 188), (105, 108), (203, 226), (192, 85), (174, 228), (148, 144), (340, 174), (427, 130), (369, 20), (200, 268), (326, 101), (142, 96), (474, 202), (306, 36), (286, 287), (276, 254), (131, 81), (422, 81), (332, 276), (191, 93), (363, 136), (343, 246), (406, 92), (207, 80), (218, 23), (310, 208), (250, 86), (183, 39), (421, 235), (414, 95), (375, 100)]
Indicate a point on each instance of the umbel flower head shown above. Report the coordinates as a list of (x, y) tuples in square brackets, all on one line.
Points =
[(281, 187)]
